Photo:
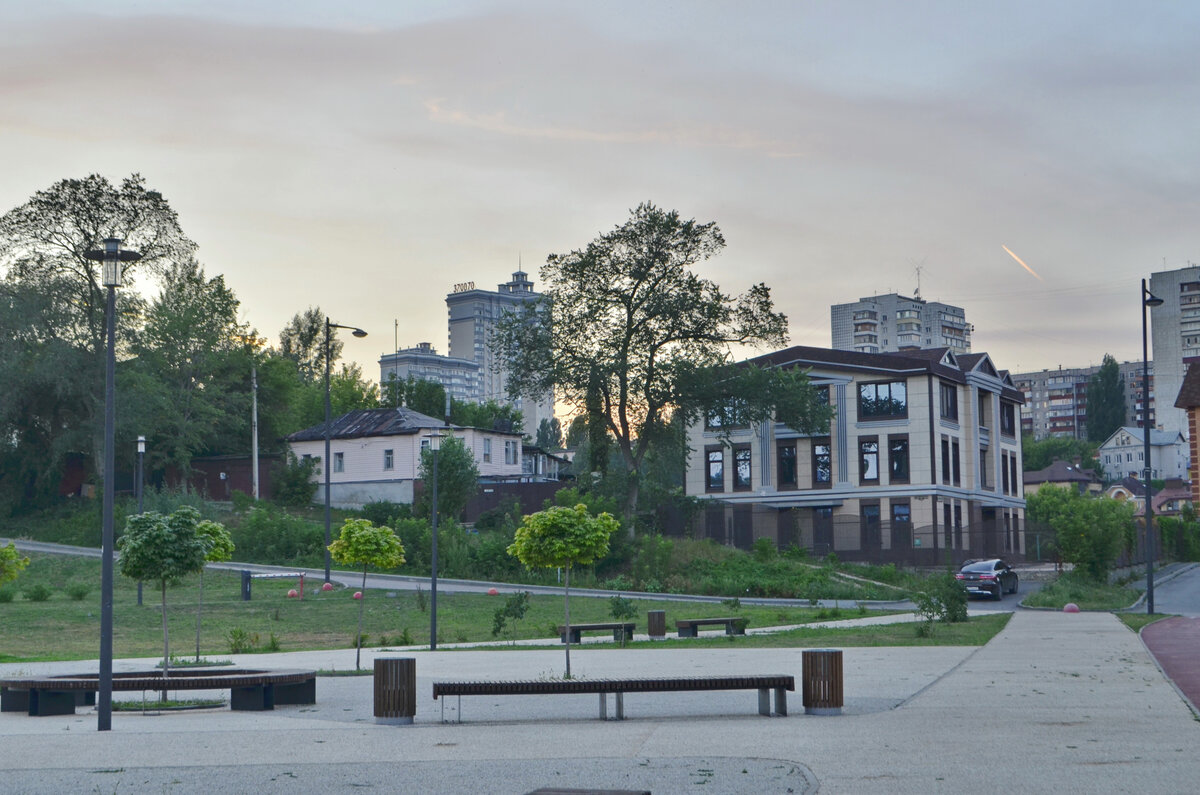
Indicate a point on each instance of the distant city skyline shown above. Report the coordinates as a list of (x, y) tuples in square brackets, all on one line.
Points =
[(1034, 160)]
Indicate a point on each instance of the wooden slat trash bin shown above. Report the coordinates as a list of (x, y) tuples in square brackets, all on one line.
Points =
[(656, 623), (822, 685), (395, 690)]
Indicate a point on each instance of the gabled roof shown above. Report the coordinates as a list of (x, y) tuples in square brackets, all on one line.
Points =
[(941, 362), (1060, 472), (371, 422), (1189, 392), (1157, 438)]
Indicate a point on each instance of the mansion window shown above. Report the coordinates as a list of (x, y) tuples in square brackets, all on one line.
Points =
[(741, 468), (787, 466), (898, 459), (883, 400), (822, 463), (868, 450), (714, 479), (1008, 419), (949, 401)]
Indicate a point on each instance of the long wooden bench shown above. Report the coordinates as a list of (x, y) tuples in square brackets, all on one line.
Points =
[(734, 625), (248, 689), (620, 630), (780, 683)]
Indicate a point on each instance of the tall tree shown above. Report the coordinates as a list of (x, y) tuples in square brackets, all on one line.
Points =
[(625, 326), (549, 434), (43, 245), (193, 368), (303, 341), (1105, 401), (457, 480)]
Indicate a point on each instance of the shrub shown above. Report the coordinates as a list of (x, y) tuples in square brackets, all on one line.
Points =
[(268, 535), (942, 599), (515, 608), (240, 641), (292, 481), (78, 591), (38, 592), (241, 501), (383, 513), (6, 595)]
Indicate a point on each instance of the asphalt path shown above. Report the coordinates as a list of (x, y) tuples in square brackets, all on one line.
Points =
[(1179, 595), (397, 582)]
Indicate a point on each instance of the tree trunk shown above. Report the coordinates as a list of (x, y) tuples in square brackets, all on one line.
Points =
[(567, 610), (631, 501), (199, 608), (166, 641), (358, 640)]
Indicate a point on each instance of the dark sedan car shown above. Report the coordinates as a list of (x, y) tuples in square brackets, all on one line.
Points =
[(991, 577)]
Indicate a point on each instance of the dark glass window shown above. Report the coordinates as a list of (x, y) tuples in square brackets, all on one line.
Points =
[(881, 400), (868, 450), (954, 462), (1004, 473), (787, 466), (741, 468), (822, 462), (898, 459), (949, 393), (1008, 419), (716, 470), (945, 460)]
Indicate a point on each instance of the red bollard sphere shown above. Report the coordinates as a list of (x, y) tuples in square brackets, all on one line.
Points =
[(492, 592), (292, 594), (1071, 607), (358, 594), (327, 586)]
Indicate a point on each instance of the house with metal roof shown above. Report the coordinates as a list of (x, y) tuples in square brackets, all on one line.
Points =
[(376, 454), (1123, 454), (920, 463)]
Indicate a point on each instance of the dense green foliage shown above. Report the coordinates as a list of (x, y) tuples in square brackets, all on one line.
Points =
[(1082, 590), (292, 481), (1040, 454), (1105, 401), (11, 563), (361, 543), (457, 478), (1088, 531), (626, 333), (941, 599), (1180, 534)]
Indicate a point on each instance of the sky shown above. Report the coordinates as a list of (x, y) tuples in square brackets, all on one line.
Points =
[(366, 157)]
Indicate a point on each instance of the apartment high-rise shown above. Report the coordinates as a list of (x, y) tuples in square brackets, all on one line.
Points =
[(889, 323), (1056, 400), (473, 314), (460, 377), (1175, 331)]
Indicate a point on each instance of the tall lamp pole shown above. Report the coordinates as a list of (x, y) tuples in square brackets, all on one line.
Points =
[(140, 485), (435, 443), (1148, 300), (326, 463), (111, 256)]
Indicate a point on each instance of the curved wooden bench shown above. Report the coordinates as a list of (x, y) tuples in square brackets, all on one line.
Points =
[(248, 689), (763, 683)]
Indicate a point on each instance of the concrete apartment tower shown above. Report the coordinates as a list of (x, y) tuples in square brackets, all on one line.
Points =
[(1175, 332), (1056, 400), (888, 323), (473, 314)]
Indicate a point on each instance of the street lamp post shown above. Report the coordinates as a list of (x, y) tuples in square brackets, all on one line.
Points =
[(1148, 300), (111, 256), (326, 463), (139, 485), (435, 443)]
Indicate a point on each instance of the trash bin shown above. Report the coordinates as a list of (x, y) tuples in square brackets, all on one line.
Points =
[(822, 686), (656, 623), (395, 690)]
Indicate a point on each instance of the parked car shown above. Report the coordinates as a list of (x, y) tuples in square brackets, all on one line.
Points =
[(991, 577)]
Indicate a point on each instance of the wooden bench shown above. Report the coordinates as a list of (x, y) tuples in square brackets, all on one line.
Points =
[(780, 683), (620, 630), (688, 627), (248, 689)]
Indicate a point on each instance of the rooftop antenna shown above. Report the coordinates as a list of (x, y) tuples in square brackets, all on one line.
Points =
[(918, 269)]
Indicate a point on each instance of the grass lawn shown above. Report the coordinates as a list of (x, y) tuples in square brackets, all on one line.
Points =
[(1088, 595), (1136, 621), (63, 628)]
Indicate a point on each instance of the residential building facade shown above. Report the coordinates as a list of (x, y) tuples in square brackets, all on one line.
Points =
[(376, 454), (460, 377), (1056, 400), (473, 314), (1124, 454), (1175, 331), (920, 464), (882, 323)]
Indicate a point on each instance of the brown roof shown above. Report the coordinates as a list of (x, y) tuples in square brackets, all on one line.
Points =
[(1189, 393), (1060, 472)]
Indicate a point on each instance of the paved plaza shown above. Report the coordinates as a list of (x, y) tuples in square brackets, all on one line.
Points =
[(1055, 703)]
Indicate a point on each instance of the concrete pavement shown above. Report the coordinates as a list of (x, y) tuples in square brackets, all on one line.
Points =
[(1055, 703)]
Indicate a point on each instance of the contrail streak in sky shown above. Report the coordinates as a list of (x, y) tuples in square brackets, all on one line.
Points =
[(1023, 265)]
